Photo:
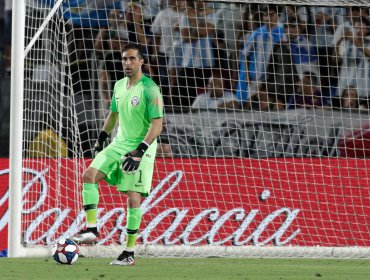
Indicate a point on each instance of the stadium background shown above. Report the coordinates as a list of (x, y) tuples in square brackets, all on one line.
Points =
[(333, 134)]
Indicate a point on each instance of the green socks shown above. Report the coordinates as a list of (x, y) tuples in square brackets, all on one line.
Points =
[(90, 196), (134, 216), (90, 212)]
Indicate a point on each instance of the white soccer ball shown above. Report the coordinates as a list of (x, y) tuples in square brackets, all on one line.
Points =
[(265, 195), (65, 251)]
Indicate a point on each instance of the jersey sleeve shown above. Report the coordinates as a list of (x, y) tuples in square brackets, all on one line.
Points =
[(113, 103), (155, 102)]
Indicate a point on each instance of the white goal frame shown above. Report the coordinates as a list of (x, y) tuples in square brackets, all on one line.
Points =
[(16, 127), (15, 247), (19, 52)]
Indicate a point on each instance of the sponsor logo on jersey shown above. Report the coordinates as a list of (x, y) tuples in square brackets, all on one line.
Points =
[(135, 101)]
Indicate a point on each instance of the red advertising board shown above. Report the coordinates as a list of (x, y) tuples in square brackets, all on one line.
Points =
[(277, 202)]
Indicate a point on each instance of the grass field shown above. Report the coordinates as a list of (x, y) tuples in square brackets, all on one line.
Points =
[(204, 269)]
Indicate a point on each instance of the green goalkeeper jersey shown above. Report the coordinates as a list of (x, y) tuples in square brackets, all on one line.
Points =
[(136, 108)]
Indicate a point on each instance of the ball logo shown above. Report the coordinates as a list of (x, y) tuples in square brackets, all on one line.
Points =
[(135, 101)]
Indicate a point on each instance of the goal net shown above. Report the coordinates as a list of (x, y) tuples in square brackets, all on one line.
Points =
[(266, 145)]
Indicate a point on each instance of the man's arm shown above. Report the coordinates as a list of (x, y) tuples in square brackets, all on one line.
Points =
[(154, 131), (110, 122)]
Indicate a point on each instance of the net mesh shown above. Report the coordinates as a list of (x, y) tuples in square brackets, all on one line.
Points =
[(326, 3), (266, 138)]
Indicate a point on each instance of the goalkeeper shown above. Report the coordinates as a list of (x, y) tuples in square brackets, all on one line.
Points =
[(128, 161)]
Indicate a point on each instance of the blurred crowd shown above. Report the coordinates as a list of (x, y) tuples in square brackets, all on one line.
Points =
[(5, 36), (242, 56), (205, 55), (208, 55)]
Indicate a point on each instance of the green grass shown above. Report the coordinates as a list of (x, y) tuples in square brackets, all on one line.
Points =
[(204, 269)]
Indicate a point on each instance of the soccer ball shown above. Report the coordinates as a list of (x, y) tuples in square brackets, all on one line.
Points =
[(65, 251)]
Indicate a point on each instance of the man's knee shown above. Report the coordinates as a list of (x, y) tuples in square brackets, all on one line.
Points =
[(133, 199), (92, 175)]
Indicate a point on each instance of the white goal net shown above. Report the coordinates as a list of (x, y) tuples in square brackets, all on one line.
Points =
[(266, 145)]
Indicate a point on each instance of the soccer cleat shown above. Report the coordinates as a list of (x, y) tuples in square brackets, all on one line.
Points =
[(126, 258), (86, 237)]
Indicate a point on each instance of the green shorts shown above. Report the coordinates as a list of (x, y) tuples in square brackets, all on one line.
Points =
[(109, 162)]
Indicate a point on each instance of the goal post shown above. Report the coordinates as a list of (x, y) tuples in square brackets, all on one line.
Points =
[(266, 146), (16, 128)]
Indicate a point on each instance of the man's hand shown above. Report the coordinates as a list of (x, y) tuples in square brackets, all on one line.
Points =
[(99, 145), (131, 160)]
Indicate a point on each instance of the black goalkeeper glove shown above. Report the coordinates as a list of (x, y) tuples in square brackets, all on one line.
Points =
[(99, 145), (131, 160)]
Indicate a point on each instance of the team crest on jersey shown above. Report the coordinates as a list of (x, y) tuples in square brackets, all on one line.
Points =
[(135, 101)]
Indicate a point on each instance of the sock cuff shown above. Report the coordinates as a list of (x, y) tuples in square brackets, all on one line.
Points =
[(132, 231), (90, 207)]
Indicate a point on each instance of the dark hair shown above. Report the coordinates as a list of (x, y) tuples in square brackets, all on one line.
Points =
[(363, 20), (133, 46), (293, 20), (353, 9), (270, 8)]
